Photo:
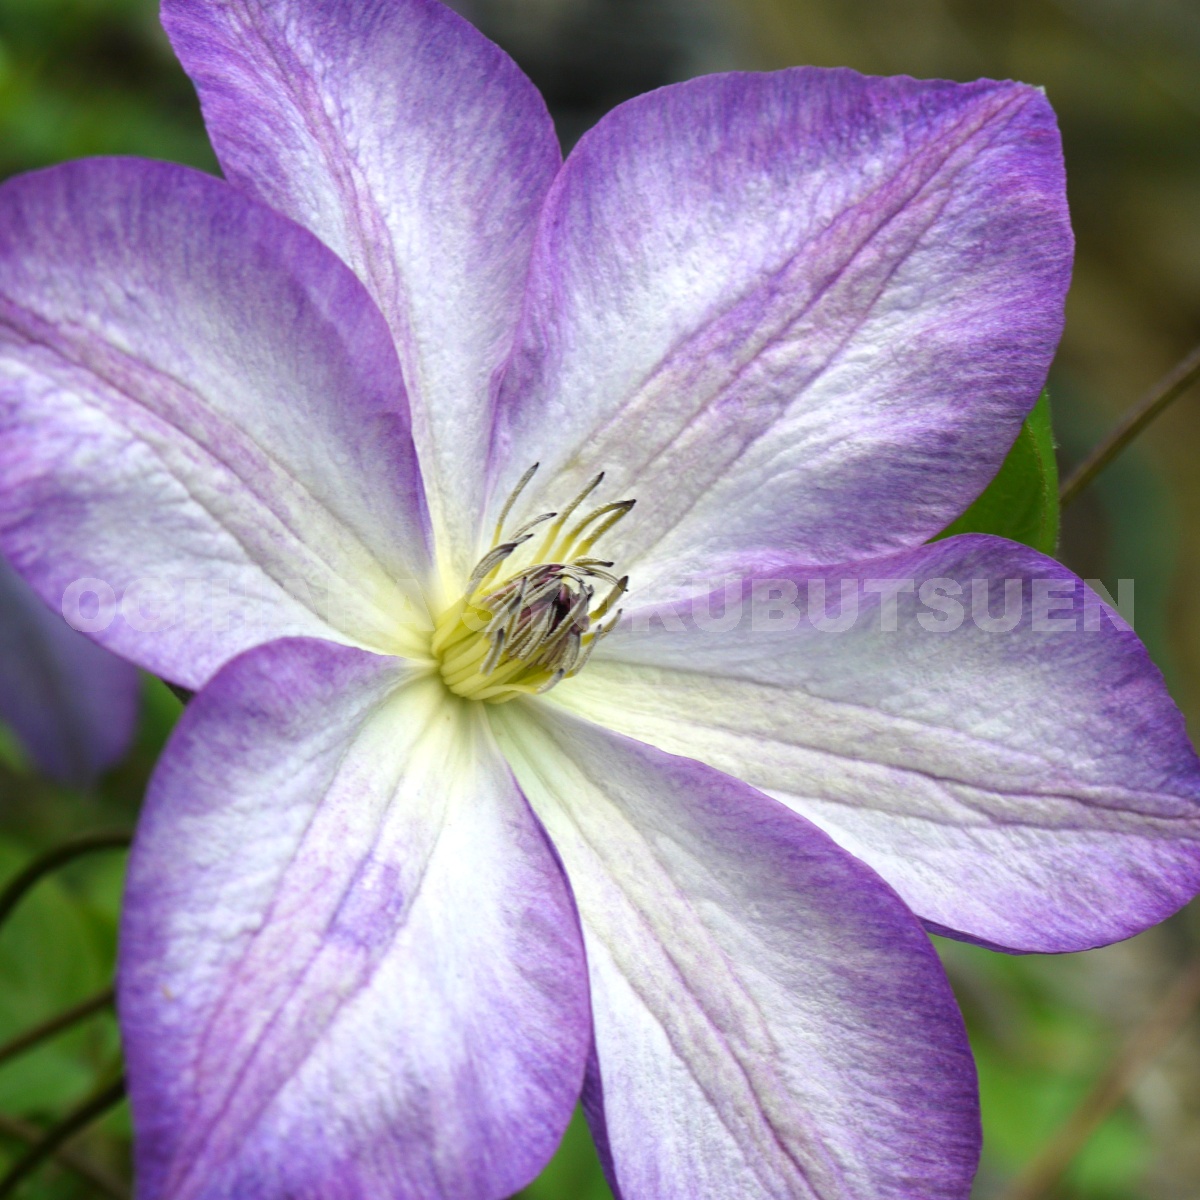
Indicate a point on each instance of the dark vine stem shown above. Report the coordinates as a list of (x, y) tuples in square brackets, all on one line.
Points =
[(47, 1029), (79, 1118), (100, 1177), (57, 857), (1152, 404)]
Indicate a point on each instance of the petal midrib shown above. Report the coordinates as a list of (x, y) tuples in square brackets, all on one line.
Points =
[(935, 158), (197, 1150), (715, 954), (1110, 799), (345, 169), (37, 332)]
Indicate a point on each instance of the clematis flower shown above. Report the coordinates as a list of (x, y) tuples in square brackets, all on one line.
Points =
[(72, 705), (463, 823)]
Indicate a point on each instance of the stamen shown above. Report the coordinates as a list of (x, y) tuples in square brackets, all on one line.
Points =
[(489, 663), (618, 512), (563, 517), (512, 499), (587, 653), (552, 682), (487, 564), (619, 588), (528, 620), (529, 525)]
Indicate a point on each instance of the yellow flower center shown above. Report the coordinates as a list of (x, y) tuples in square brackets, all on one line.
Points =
[(535, 606)]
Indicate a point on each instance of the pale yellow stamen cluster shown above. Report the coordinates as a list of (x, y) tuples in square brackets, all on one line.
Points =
[(532, 611)]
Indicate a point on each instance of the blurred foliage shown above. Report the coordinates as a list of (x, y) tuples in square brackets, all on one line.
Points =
[(59, 945), (80, 77)]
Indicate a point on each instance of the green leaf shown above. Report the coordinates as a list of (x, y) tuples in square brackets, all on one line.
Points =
[(574, 1170), (1021, 502)]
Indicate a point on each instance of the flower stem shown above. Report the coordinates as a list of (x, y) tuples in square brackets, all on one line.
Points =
[(1155, 401), (1167, 1018), (47, 1029), (79, 1118), (57, 857)]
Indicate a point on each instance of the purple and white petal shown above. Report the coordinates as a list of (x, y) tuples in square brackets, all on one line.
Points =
[(770, 1020), (974, 723), (416, 149), (73, 705), (350, 963), (801, 312), (204, 440)]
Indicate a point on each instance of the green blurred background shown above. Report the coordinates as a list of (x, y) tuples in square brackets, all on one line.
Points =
[(81, 77)]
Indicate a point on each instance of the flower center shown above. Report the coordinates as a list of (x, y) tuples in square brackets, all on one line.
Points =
[(535, 606)]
